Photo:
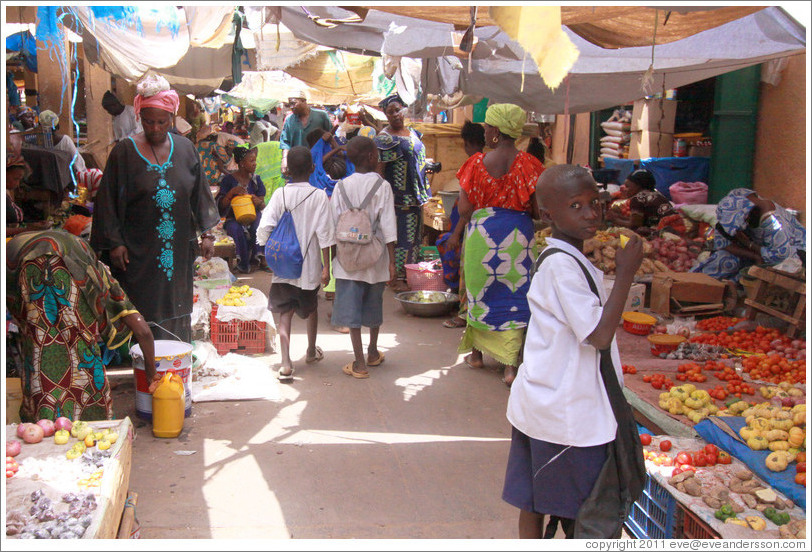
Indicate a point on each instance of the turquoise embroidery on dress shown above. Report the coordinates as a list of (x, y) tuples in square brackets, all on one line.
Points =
[(164, 198)]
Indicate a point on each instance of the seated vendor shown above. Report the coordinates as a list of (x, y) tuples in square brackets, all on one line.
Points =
[(750, 230), (646, 205)]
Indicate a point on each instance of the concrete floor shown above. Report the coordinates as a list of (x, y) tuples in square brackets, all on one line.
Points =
[(418, 450)]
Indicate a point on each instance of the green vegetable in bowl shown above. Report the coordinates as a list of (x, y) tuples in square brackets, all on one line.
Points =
[(428, 297)]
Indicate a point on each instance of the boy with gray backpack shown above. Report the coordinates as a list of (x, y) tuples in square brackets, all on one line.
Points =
[(365, 233)]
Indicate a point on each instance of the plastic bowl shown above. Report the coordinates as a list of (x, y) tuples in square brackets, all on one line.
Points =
[(638, 323), (665, 343), (439, 308)]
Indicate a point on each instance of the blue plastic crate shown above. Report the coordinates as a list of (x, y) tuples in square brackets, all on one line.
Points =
[(653, 516)]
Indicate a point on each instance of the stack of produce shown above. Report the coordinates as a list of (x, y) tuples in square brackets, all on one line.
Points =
[(236, 296), (782, 430), (686, 399), (601, 250), (615, 144), (677, 253)]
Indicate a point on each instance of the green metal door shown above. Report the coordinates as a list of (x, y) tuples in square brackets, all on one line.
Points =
[(733, 131)]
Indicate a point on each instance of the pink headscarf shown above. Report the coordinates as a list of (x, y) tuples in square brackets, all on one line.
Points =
[(167, 100)]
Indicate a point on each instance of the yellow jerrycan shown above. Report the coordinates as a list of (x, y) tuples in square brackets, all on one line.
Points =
[(168, 404)]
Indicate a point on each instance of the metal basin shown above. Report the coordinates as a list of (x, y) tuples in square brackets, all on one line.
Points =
[(416, 308)]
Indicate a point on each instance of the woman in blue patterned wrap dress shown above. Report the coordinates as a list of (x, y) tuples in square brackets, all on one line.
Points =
[(152, 203), (751, 230)]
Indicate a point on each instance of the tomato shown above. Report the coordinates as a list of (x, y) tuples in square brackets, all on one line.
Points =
[(645, 439), (10, 473), (800, 478), (665, 445), (800, 467), (710, 459), (724, 458), (683, 458), (657, 384), (647, 378), (700, 460), (801, 457), (711, 450), (667, 460), (658, 461), (678, 470)]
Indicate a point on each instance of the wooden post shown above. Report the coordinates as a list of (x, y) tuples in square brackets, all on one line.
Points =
[(99, 123), (30, 84), (50, 76)]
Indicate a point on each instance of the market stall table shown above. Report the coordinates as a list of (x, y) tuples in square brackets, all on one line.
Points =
[(44, 467)]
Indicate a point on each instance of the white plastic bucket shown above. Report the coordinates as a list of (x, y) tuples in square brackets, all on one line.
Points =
[(169, 355)]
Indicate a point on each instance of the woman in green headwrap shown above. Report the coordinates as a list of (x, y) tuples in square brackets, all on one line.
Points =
[(497, 205)]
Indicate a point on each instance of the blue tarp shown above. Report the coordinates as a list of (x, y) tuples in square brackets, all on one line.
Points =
[(782, 481), (24, 42), (625, 166), (668, 170)]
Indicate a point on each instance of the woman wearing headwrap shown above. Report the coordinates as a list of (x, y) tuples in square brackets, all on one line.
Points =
[(751, 229), (152, 204), (241, 182), (404, 157), (497, 205), (647, 206)]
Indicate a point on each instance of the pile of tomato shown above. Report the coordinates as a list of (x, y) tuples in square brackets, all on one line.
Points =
[(691, 371), (735, 385), (775, 369), (758, 341), (629, 369), (659, 381), (717, 323)]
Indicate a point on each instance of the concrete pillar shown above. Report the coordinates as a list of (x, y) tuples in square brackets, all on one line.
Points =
[(50, 79), (100, 136)]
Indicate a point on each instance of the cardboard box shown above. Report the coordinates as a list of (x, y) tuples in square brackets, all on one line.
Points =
[(645, 144), (637, 295), (654, 115), (686, 293)]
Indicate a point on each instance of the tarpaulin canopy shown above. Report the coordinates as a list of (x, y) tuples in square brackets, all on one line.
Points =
[(600, 78)]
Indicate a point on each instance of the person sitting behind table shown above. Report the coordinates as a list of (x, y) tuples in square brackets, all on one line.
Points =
[(315, 231), (243, 181), (569, 325), (647, 206)]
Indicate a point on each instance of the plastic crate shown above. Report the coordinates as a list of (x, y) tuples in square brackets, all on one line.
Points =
[(237, 336), (695, 528), (653, 516), (425, 279)]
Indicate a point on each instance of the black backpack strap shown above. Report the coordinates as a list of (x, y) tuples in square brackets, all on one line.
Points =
[(306, 198)]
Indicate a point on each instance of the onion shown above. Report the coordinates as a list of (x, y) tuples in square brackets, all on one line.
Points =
[(47, 426), (33, 434), (21, 429), (62, 423), (13, 448)]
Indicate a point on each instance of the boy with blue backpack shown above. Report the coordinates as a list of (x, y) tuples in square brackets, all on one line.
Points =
[(297, 230)]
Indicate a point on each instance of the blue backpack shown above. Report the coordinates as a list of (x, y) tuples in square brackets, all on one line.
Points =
[(283, 253)]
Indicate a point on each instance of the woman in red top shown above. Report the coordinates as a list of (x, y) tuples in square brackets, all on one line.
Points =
[(497, 205)]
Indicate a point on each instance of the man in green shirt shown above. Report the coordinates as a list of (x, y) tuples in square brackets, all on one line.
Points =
[(300, 122)]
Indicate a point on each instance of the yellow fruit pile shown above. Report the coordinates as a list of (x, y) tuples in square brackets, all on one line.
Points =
[(782, 390), (779, 429), (686, 399), (235, 296)]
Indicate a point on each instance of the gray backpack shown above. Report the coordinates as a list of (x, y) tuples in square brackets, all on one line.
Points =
[(357, 246)]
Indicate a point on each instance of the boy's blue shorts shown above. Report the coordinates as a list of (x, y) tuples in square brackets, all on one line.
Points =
[(358, 304)]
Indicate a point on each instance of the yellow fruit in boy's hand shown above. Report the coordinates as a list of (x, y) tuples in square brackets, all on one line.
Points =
[(623, 240)]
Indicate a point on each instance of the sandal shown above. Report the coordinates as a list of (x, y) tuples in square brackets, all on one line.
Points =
[(318, 357), (455, 322), (349, 369), (381, 358), (284, 377)]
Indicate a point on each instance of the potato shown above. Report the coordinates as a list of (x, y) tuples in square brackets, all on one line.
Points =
[(749, 500), (713, 503), (693, 487), (608, 252)]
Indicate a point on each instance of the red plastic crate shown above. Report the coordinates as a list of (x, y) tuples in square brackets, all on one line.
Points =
[(237, 336), (695, 528)]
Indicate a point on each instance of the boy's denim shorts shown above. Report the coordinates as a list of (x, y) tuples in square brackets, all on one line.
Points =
[(358, 304)]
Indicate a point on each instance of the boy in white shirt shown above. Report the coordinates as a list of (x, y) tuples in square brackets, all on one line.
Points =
[(315, 230), (359, 294), (561, 415)]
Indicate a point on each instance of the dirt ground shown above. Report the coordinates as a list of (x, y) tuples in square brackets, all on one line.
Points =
[(418, 450)]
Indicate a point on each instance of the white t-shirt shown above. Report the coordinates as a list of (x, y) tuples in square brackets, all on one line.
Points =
[(125, 123), (382, 211), (558, 395), (314, 225), (67, 145)]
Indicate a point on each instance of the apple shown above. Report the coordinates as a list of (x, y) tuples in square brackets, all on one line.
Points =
[(63, 423), (47, 426), (21, 429), (61, 437), (33, 434), (13, 448), (665, 445), (645, 439)]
